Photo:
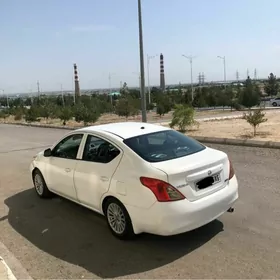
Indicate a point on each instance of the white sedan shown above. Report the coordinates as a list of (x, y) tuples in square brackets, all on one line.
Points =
[(141, 177)]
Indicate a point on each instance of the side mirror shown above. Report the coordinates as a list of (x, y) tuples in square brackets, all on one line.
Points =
[(47, 152)]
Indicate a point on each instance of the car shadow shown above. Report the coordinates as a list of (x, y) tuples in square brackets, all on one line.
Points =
[(77, 235)]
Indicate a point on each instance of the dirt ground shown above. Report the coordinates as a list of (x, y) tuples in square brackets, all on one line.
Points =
[(109, 118), (235, 128), (240, 129)]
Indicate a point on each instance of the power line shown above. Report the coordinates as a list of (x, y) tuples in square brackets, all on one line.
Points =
[(38, 89)]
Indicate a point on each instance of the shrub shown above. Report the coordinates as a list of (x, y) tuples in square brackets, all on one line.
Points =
[(160, 110), (32, 114), (255, 118), (3, 114), (18, 116), (65, 114), (183, 116)]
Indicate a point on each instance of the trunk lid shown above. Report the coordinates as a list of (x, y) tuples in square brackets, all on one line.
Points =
[(197, 175)]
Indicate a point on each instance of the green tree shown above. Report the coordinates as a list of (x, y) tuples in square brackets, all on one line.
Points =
[(271, 86), (183, 116), (165, 104), (90, 116), (211, 98), (4, 114), (199, 99), (249, 96), (65, 114), (160, 110), (47, 110), (32, 114), (187, 96), (78, 112), (125, 107), (255, 118), (18, 113)]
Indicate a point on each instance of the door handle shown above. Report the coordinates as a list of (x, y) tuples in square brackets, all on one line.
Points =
[(104, 178), (67, 169)]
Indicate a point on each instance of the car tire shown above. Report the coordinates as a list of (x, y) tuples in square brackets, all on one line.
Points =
[(40, 185), (118, 220), (274, 104)]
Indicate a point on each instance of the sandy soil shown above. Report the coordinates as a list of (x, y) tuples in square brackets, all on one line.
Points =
[(235, 128), (109, 118), (240, 129)]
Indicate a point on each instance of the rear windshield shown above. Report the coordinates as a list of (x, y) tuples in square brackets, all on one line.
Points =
[(163, 145)]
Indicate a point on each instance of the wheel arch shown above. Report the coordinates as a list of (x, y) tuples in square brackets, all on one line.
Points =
[(109, 196), (34, 170)]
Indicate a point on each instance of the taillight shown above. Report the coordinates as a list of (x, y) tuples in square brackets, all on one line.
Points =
[(163, 191), (231, 170)]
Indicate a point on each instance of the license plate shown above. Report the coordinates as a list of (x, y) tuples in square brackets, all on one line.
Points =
[(208, 182), (216, 178)]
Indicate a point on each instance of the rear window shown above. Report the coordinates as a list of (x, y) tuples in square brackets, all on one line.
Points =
[(163, 145)]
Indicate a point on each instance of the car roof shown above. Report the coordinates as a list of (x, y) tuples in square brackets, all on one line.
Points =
[(126, 129)]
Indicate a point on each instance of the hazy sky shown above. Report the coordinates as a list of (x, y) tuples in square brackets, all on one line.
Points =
[(41, 39)]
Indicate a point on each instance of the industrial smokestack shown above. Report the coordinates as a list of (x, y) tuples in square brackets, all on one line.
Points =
[(162, 78), (77, 84)]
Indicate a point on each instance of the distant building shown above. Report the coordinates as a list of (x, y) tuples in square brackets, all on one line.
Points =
[(114, 93)]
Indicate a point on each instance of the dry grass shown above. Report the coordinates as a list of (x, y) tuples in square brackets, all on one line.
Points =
[(235, 128), (240, 129), (111, 118)]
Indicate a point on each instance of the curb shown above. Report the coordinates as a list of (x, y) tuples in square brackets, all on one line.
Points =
[(5, 272), (11, 266), (238, 142), (45, 126)]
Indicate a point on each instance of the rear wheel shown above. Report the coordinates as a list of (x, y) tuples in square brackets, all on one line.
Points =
[(274, 104), (118, 220), (40, 185)]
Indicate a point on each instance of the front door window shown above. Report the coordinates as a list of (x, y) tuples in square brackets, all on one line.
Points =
[(68, 147)]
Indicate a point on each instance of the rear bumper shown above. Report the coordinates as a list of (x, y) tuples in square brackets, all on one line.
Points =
[(181, 216)]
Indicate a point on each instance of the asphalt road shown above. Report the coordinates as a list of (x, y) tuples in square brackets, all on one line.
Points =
[(59, 239)]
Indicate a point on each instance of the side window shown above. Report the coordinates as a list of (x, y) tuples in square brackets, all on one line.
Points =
[(68, 147), (99, 150)]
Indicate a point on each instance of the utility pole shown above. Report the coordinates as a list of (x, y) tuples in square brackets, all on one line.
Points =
[(7, 98), (224, 61), (62, 96), (148, 72), (31, 96), (142, 69), (38, 89), (190, 58), (248, 74), (110, 87)]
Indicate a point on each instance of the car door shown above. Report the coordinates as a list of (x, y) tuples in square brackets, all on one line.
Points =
[(95, 170), (61, 165)]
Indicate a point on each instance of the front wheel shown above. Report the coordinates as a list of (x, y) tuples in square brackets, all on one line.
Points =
[(118, 220), (40, 185), (274, 104)]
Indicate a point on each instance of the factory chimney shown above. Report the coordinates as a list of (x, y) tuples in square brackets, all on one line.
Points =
[(162, 78), (77, 84)]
